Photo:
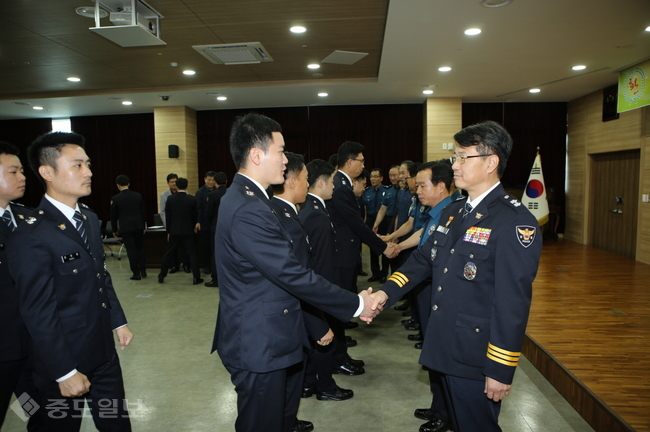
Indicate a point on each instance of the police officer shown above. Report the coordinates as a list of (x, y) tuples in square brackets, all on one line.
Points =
[(483, 258)]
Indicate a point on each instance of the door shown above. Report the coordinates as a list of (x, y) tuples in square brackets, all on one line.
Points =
[(614, 197)]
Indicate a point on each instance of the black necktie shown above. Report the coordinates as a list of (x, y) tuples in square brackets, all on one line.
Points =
[(468, 210), (6, 216), (79, 222)]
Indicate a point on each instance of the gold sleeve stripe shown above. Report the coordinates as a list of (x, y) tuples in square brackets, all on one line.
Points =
[(502, 356), (399, 277), (498, 360), (502, 351), (397, 281)]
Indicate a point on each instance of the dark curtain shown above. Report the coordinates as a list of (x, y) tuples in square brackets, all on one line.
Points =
[(119, 144), (22, 133), (391, 133), (531, 125)]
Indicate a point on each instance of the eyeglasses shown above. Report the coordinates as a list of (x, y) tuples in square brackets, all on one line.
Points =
[(375, 176), (360, 160), (461, 159)]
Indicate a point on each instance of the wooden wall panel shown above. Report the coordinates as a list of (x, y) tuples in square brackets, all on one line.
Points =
[(443, 117)]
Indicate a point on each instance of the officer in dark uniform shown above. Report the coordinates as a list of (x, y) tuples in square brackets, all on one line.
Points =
[(214, 199), (182, 225), (128, 221), (204, 222), (372, 198), (483, 258), (69, 305), (14, 340)]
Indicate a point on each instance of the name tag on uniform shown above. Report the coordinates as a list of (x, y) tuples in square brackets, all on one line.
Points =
[(70, 257), (477, 235), (442, 229)]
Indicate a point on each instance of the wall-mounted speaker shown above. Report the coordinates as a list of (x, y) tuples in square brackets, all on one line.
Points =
[(173, 151)]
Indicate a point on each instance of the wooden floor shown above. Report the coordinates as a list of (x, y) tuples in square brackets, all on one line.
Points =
[(589, 333)]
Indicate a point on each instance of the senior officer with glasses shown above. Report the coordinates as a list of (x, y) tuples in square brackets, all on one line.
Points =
[(482, 258)]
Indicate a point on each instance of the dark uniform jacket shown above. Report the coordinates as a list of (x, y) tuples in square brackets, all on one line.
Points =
[(319, 228), (214, 199), (202, 205), (66, 295), (349, 225), (181, 214), (127, 211), (13, 333), (315, 322), (260, 326), (482, 270)]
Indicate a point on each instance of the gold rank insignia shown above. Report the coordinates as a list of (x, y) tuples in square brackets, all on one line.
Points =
[(21, 216), (62, 227), (499, 355), (399, 278), (84, 216), (479, 215), (451, 218), (30, 220)]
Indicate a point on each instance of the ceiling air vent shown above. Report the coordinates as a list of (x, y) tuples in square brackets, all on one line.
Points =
[(234, 54)]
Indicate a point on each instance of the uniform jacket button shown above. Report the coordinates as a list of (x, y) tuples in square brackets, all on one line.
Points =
[(452, 251), (445, 270), (101, 290), (104, 305), (477, 330), (75, 271), (471, 255), (286, 311), (435, 307), (439, 288)]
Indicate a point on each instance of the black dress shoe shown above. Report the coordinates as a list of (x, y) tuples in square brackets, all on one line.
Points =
[(197, 281), (435, 425), (418, 345), (424, 413), (403, 306), (161, 279), (350, 342), (350, 325), (412, 327), (135, 277), (187, 269), (407, 321), (337, 394), (349, 369), (307, 392), (173, 270), (407, 312), (415, 337), (357, 363), (143, 274), (303, 426), (362, 273), (213, 283), (374, 278), (382, 280)]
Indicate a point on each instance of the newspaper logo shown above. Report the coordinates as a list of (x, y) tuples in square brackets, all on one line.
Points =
[(24, 407)]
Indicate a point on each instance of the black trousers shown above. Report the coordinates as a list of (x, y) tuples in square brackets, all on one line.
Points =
[(206, 245), (9, 373), (105, 399), (134, 243), (468, 407), (318, 370), (346, 278), (213, 260), (187, 243), (267, 402)]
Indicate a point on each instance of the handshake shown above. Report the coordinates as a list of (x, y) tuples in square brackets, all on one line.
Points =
[(392, 250), (373, 303)]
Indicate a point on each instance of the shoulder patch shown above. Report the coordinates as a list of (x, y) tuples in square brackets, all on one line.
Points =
[(526, 234)]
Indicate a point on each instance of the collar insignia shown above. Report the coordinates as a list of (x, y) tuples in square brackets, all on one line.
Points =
[(62, 227), (286, 214), (249, 192), (451, 218), (30, 220), (21, 216), (479, 215)]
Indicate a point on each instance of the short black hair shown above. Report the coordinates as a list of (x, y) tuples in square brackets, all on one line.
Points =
[(251, 131), (334, 160), (181, 183), (295, 164), (364, 175), (171, 176), (122, 180), (7, 148), (381, 173), (221, 178), (317, 169), (210, 174), (348, 150), (411, 167), (489, 138), (440, 172), (394, 166), (46, 149)]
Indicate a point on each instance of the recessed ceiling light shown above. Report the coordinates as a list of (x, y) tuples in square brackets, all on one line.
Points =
[(173, 64), (322, 94), (298, 29), (472, 31), (313, 66), (222, 98), (579, 67), (444, 69), (534, 90), (89, 12), (188, 72), (37, 107), (647, 29), (427, 92), (127, 103), (495, 3), (74, 79)]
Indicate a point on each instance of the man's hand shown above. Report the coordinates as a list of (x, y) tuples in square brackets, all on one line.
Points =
[(375, 229), (124, 336), (197, 227), (391, 250), (379, 300), (496, 390), (327, 339), (75, 386), (368, 312)]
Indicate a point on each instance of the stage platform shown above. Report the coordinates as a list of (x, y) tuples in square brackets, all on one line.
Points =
[(589, 333)]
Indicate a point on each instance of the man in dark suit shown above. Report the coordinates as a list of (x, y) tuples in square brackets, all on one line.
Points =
[(182, 225), (69, 305), (128, 221), (482, 259), (319, 228), (204, 222), (260, 333), (214, 199), (14, 339)]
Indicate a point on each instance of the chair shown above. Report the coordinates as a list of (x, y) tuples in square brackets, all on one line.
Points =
[(157, 220), (108, 240)]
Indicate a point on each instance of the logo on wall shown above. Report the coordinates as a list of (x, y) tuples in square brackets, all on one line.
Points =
[(634, 84)]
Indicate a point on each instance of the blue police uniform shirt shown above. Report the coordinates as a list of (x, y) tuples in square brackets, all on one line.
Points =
[(418, 212), (404, 201), (372, 200), (388, 199), (433, 217)]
